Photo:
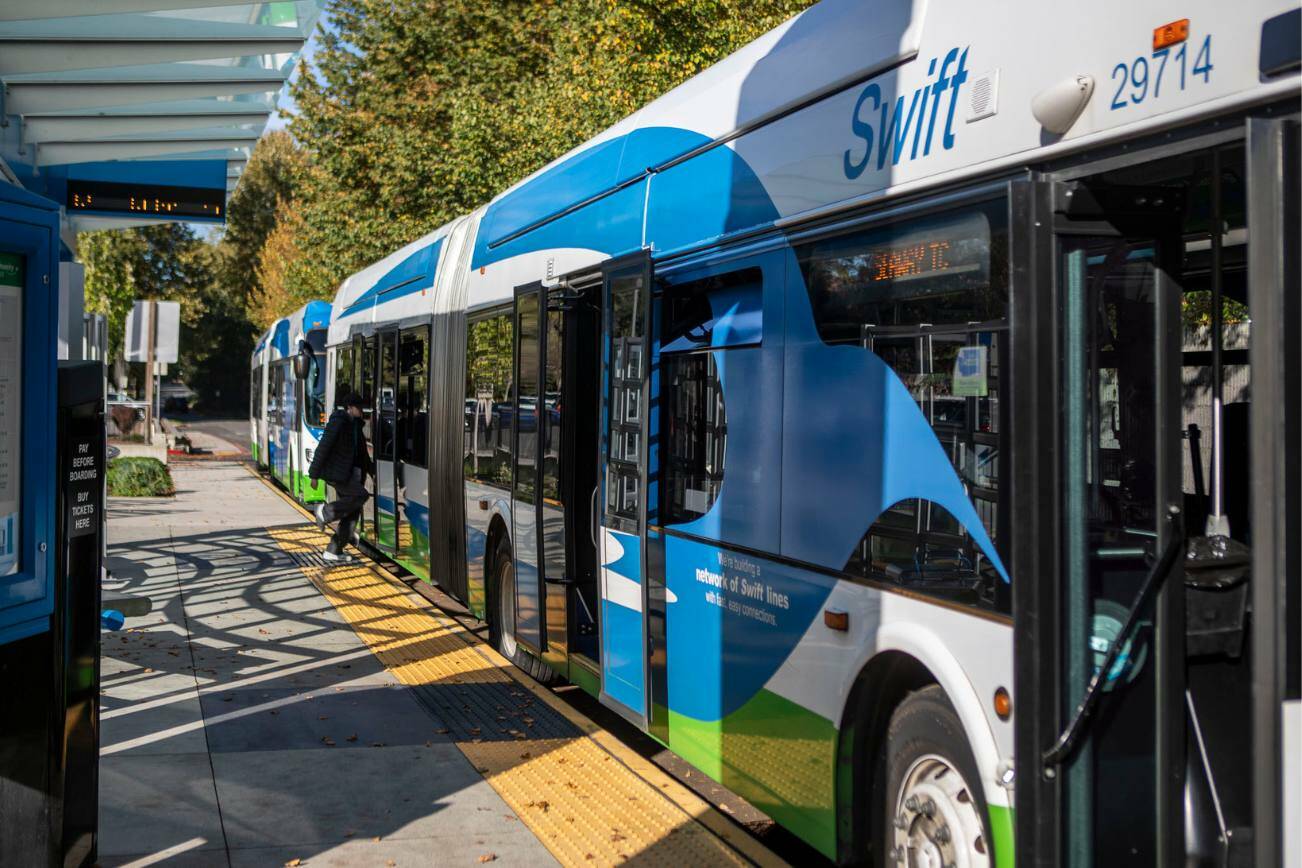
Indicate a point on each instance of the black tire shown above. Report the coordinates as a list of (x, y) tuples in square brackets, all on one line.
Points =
[(503, 576), (926, 751)]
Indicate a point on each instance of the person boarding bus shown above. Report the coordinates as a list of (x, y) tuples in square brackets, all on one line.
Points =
[(342, 461)]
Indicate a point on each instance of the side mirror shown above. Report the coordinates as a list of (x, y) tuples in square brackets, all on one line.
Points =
[(304, 360)]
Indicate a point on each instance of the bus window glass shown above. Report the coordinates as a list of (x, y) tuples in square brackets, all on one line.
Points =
[(271, 391), (696, 435), (255, 393), (929, 296), (343, 373), (725, 310), (413, 397), (366, 375), (551, 418), (701, 317), (528, 406), (288, 417), (624, 436), (489, 406), (314, 411), (388, 378)]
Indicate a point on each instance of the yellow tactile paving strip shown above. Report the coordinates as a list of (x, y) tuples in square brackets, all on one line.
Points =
[(588, 798)]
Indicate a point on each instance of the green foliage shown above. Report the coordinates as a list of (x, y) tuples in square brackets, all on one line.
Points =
[(139, 477), (1196, 309), (162, 262), (168, 262), (418, 111)]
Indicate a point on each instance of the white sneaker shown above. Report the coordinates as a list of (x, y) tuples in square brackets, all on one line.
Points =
[(319, 512), (336, 557)]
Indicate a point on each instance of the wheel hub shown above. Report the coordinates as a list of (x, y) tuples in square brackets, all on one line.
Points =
[(936, 824)]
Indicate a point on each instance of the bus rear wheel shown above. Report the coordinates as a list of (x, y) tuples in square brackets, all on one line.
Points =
[(929, 810), (502, 625)]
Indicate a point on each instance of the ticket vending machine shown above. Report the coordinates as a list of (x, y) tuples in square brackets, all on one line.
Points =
[(51, 532), (74, 757)]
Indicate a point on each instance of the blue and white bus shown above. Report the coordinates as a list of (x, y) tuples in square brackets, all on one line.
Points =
[(288, 411), (841, 419)]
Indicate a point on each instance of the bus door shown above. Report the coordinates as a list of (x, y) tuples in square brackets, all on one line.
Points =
[(411, 455), (1133, 336), (367, 355), (268, 413), (622, 471), (1114, 264), (555, 477), (384, 438), (527, 482)]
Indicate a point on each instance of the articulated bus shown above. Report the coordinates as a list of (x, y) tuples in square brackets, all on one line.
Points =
[(899, 421), (287, 406)]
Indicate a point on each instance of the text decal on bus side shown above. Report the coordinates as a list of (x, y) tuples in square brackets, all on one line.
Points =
[(903, 131)]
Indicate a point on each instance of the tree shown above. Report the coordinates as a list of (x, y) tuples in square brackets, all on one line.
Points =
[(266, 190), (416, 111), (168, 262), (149, 262)]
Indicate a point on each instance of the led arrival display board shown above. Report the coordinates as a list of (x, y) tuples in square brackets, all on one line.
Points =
[(146, 199)]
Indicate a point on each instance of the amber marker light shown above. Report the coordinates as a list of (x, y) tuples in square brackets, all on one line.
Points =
[(836, 619), (1003, 703), (1170, 34)]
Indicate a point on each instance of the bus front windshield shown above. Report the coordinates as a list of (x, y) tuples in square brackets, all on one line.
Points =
[(314, 409)]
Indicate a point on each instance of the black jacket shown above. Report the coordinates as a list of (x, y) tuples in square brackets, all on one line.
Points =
[(342, 448)]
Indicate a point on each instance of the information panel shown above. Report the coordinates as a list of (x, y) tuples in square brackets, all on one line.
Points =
[(153, 199), (11, 407)]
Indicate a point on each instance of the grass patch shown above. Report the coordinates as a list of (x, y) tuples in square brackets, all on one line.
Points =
[(139, 477)]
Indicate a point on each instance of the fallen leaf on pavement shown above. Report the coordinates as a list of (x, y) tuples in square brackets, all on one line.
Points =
[(292, 862), (352, 737), (488, 857), (328, 741)]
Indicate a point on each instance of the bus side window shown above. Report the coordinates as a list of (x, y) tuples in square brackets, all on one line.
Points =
[(929, 297), (488, 408), (343, 373), (366, 375), (413, 397), (702, 319)]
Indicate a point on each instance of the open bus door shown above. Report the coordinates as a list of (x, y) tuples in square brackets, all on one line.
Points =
[(1151, 546), (623, 458), (553, 474)]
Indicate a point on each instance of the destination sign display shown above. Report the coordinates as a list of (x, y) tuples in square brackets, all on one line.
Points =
[(154, 200)]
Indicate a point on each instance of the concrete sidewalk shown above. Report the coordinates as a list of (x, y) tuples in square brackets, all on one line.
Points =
[(244, 722)]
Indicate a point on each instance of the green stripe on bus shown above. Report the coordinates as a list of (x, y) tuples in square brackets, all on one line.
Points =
[(777, 755), (1001, 829)]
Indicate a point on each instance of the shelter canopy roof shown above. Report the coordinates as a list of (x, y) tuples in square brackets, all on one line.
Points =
[(132, 98)]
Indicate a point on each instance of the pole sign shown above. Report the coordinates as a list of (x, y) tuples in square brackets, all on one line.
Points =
[(168, 334)]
